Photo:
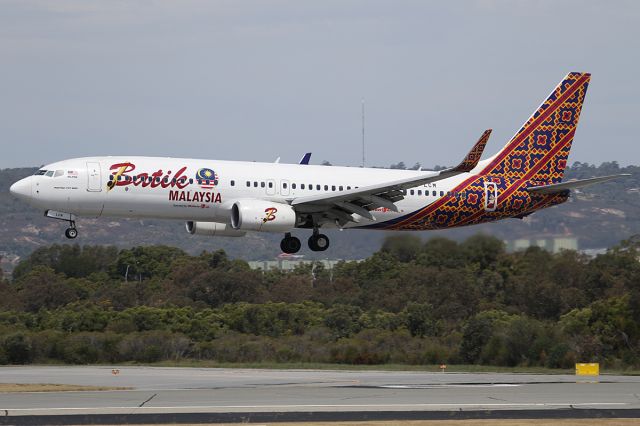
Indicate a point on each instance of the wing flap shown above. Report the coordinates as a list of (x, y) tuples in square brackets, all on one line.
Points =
[(572, 184)]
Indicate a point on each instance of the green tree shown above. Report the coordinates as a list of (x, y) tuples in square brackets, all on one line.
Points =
[(475, 336), (405, 248), (421, 320), (17, 348)]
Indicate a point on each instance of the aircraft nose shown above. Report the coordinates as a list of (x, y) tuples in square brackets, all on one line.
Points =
[(22, 188)]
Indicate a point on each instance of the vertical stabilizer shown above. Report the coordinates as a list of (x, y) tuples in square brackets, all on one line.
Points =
[(541, 147)]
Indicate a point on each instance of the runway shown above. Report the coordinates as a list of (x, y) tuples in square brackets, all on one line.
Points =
[(197, 393)]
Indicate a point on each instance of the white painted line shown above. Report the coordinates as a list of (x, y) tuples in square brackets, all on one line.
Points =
[(437, 386), (425, 405)]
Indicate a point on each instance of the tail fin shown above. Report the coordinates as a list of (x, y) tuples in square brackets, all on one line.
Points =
[(541, 147)]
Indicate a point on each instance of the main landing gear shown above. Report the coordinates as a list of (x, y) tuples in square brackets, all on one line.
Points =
[(317, 242), (289, 244)]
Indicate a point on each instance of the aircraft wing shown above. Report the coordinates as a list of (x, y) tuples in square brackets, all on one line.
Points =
[(571, 184), (341, 205)]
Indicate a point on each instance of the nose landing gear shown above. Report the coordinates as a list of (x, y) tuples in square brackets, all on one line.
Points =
[(71, 232)]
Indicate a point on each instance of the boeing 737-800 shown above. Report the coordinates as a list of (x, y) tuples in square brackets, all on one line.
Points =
[(229, 198)]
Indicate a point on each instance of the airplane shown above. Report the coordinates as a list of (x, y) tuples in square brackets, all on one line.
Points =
[(230, 198)]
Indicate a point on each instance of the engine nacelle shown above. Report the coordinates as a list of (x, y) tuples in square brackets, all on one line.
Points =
[(260, 215), (212, 229)]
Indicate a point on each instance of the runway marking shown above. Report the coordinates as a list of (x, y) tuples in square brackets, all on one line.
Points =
[(439, 386), (425, 405)]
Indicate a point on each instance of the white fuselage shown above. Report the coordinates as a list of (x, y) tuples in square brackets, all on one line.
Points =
[(81, 187)]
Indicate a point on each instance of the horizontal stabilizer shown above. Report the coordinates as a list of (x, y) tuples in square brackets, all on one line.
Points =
[(472, 158), (572, 184)]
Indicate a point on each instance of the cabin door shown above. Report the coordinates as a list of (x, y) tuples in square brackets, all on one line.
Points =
[(94, 178)]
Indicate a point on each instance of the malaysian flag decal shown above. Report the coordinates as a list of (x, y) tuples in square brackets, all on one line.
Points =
[(206, 178)]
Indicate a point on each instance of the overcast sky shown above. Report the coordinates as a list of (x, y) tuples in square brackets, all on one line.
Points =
[(256, 80)]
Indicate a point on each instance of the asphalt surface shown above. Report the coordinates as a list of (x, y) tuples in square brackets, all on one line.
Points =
[(227, 391)]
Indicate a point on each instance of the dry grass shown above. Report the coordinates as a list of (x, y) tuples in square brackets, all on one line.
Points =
[(47, 387), (532, 422)]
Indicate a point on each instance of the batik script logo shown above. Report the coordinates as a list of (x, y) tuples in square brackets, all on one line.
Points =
[(270, 214), (121, 176)]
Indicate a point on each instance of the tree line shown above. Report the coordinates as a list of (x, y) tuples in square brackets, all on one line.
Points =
[(412, 302)]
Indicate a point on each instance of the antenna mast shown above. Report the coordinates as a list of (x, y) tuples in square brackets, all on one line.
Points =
[(362, 132)]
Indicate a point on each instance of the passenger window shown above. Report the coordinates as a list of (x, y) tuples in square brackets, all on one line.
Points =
[(255, 184), (233, 183), (442, 193), (293, 186), (262, 185), (434, 193), (419, 191), (302, 186), (270, 184), (411, 192), (333, 187), (326, 187), (248, 184), (190, 181), (340, 188), (318, 187), (284, 185), (348, 188)]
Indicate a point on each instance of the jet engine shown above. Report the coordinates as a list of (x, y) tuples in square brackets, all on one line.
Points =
[(212, 229), (261, 215)]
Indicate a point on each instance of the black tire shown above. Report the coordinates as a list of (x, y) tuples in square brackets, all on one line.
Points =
[(71, 233), (290, 245), (318, 242)]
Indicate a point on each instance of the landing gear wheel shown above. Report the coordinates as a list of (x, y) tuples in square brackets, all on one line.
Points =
[(290, 245), (318, 242), (71, 233)]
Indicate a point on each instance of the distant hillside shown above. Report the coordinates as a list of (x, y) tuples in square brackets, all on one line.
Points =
[(598, 216)]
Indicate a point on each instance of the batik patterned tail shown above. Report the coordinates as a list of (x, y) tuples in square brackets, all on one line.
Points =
[(540, 149)]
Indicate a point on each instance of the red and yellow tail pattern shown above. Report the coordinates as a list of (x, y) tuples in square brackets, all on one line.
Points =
[(540, 149), (536, 154)]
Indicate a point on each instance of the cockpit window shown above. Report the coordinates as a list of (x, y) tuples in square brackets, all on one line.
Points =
[(41, 172), (49, 173), (58, 173)]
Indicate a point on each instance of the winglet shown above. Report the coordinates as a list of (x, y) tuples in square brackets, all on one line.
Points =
[(472, 158), (305, 159)]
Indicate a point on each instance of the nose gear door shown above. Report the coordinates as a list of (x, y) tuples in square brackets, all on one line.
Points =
[(490, 196), (94, 177)]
